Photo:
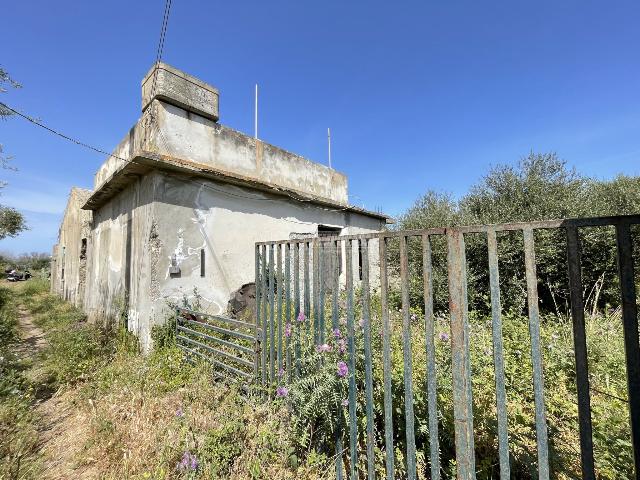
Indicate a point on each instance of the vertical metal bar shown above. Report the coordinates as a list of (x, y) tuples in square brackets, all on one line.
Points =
[(368, 370), (263, 292), (287, 302), (256, 349), (429, 322), (272, 350), (406, 348), (498, 356), (296, 295), (321, 293), (279, 286), (386, 360), (460, 361), (307, 291), (536, 355), (334, 323), (630, 325), (335, 306), (353, 426), (315, 286), (580, 346)]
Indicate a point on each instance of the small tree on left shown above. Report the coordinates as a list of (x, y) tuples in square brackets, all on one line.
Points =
[(12, 222)]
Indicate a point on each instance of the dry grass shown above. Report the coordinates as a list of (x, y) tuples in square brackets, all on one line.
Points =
[(117, 414)]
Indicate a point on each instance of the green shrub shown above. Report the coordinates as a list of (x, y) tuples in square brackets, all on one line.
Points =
[(315, 397)]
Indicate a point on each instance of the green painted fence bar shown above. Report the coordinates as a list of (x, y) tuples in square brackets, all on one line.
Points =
[(407, 357), (272, 312), (386, 360), (429, 323), (256, 368), (307, 287), (287, 302), (536, 354), (498, 356), (296, 297), (335, 310), (351, 346), (368, 369), (460, 361), (315, 285), (279, 285), (265, 320)]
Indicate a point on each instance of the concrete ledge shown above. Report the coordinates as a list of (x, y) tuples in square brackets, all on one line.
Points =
[(144, 162), (180, 89)]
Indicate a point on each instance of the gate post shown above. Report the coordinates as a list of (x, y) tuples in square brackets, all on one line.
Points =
[(460, 358)]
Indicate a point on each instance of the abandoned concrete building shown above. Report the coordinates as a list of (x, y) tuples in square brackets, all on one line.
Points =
[(179, 206)]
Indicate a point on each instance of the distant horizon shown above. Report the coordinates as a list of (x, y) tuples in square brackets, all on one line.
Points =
[(417, 96)]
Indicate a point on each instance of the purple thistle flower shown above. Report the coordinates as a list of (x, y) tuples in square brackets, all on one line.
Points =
[(301, 317), (345, 403), (343, 370), (444, 336), (325, 347), (179, 412), (342, 345), (337, 333), (281, 372), (282, 392), (287, 330), (187, 463)]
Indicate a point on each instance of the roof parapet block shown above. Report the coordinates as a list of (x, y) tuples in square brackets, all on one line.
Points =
[(180, 89)]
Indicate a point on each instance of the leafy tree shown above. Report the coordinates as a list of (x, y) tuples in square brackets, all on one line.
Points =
[(538, 187), (12, 222)]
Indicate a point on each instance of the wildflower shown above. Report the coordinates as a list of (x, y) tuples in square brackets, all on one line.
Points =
[(281, 372), (343, 370), (444, 336), (323, 348), (337, 333), (345, 403), (413, 317), (179, 412), (189, 462), (282, 392), (287, 330), (301, 317), (342, 345)]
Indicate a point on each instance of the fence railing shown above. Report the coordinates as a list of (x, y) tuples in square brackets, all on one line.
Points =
[(231, 346), (335, 273)]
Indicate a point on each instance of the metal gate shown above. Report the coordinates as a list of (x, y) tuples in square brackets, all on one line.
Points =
[(307, 275), (229, 345)]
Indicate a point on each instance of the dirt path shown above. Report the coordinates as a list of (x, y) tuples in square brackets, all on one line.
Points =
[(32, 336), (54, 409)]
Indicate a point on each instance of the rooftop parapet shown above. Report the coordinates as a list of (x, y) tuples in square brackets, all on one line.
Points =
[(166, 83)]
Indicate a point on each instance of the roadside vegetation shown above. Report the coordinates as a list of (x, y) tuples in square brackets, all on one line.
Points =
[(120, 414)]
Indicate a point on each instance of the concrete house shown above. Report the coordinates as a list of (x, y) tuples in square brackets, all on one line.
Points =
[(180, 204)]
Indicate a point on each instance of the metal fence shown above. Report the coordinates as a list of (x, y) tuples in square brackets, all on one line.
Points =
[(309, 275), (229, 345)]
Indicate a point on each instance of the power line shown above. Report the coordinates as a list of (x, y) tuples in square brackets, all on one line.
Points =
[(60, 134)]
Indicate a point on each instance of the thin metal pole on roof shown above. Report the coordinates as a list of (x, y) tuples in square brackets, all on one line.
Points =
[(329, 143), (255, 117)]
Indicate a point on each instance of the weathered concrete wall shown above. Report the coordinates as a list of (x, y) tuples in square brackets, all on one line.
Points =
[(225, 221), (118, 273), (68, 271)]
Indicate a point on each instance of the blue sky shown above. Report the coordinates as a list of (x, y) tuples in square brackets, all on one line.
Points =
[(418, 95)]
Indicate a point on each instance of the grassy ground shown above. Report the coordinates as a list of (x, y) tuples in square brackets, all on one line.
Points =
[(83, 402), (89, 405)]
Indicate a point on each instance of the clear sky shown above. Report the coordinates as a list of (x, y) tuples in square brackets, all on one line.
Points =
[(418, 94)]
